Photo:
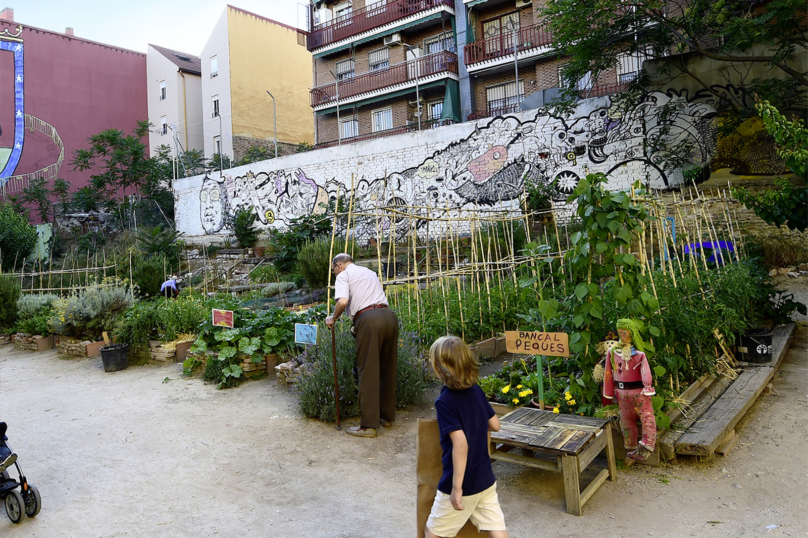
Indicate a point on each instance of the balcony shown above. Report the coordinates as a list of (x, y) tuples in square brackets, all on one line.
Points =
[(529, 39), (395, 77), (409, 128), (369, 18)]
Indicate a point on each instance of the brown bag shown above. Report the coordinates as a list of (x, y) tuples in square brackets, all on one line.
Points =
[(428, 470)]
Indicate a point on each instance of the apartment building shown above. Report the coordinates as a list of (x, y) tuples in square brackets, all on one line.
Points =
[(174, 82), (249, 64), (464, 57), (382, 67)]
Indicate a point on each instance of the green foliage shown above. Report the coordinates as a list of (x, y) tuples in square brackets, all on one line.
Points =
[(17, 237), (786, 204), (217, 163), (243, 228), (148, 273), (9, 295), (37, 194), (790, 136), (593, 35), (138, 325), (90, 242), (93, 310), (158, 240), (86, 200), (265, 273), (61, 188), (287, 243), (314, 262), (315, 386), (38, 324), (303, 147), (277, 288), (183, 315), (255, 154), (31, 304)]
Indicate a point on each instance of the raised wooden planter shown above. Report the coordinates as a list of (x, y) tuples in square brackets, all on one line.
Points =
[(93, 349)]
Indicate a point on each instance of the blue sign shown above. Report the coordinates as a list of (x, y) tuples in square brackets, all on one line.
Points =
[(305, 334), (19, 114)]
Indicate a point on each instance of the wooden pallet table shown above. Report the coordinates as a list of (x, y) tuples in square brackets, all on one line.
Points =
[(563, 443)]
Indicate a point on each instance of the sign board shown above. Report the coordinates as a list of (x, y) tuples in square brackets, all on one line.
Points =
[(537, 343), (305, 334), (223, 318)]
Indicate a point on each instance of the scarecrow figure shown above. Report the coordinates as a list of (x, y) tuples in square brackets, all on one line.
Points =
[(628, 377)]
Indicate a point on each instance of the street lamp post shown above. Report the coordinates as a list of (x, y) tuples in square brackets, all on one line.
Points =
[(274, 123)]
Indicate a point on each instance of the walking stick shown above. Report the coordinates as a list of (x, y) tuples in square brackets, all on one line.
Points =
[(336, 383)]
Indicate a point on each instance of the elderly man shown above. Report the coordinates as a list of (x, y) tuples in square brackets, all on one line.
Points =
[(375, 327)]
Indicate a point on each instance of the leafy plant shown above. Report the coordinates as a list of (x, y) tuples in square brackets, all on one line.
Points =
[(255, 154), (38, 324), (31, 304), (287, 243), (785, 205), (148, 273), (161, 241), (181, 316), (314, 262), (17, 237), (93, 310), (277, 288), (138, 325), (265, 273), (246, 234)]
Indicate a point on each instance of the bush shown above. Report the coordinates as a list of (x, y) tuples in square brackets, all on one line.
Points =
[(265, 273), (277, 288), (17, 237), (159, 241), (9, 294), (182, 316), (92, 311), (245, 232), (316, 383), (39, 324), (138, 325), (30, 305), (286, 244), (148, 274), (314, 262)]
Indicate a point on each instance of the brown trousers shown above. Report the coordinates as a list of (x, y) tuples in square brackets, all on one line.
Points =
[(377, 360)]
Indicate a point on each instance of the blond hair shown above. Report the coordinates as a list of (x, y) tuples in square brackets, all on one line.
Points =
[(452, 361)]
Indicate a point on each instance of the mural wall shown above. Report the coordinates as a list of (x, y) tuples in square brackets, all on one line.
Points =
[(483, 164)]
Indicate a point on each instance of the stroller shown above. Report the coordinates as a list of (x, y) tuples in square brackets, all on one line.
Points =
[(19, 504)]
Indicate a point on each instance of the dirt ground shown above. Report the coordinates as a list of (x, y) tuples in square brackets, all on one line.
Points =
[(143, 452)]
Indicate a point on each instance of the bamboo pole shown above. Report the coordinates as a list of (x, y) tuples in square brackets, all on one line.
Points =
[(331, 254), (441, 280), (350, 211)]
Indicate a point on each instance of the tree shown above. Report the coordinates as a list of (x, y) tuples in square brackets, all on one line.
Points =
[(17, 237), (255, 154), (738, 33), (786, 204), (37, 194), (218, 163), (61, 187)]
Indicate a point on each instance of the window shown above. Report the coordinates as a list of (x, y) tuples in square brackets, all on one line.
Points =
[(342, 14), (214, 66), (439, 43), (374, 7), (435, 109), (584, 83), (217, 145), (504, 97), (382, 119), (498, 33), (162, 90), (215, 106), (630, 65), (349, 128), (345, 70), (163, 126), (379, 59)]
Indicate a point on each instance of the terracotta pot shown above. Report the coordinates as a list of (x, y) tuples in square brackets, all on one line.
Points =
[(258, 252), (182, 350), (43, 343), (94, 349)]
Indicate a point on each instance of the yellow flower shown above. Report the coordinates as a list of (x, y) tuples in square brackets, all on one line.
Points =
[(506, 389), (516, 400), (525, 393), (518, 386), (555, 410), (572, 402), (567, 396)]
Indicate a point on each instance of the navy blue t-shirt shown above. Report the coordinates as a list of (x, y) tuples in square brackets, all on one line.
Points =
[(466, 410)]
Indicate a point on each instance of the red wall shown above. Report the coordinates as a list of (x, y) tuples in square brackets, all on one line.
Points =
[(77, 86)]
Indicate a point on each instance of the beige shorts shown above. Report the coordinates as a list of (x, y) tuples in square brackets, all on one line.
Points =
[(481, 509)]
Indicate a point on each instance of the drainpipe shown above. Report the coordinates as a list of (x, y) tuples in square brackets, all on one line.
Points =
[(184, 110)]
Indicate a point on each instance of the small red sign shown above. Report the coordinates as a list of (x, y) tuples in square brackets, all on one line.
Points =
[(223, 318)]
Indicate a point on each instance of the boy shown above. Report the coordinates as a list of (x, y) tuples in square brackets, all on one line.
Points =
[(467, 490)]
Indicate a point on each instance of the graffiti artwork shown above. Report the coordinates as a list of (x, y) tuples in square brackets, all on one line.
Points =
[(12, 43), (491, 165)]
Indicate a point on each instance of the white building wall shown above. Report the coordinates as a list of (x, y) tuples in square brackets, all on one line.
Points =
[(159, 68), (192, 134), (456, 168), (217, 45)]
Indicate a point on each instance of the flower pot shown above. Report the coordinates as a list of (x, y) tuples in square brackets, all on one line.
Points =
[(114, 357), (258, 252), (43, 343), (94, 348), (182, 350), (756, 345)]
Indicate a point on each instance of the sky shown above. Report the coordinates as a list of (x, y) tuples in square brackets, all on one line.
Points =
[(182, 25)]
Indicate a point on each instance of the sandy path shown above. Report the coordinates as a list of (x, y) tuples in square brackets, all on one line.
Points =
[(125, 454)]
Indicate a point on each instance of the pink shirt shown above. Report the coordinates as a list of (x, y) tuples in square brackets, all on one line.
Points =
[(360, 286)]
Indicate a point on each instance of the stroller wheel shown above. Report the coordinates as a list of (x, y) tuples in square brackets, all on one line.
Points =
[(15, 507), (33, 504)]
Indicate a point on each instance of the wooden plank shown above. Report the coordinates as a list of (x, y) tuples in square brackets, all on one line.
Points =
[(572, 487), (514, 437), (516, 415), (576, 443), (593, 449), (545, 437), (695, 391), (541, 419), (593, 486), (724, 414), (610, 459), (522, 460), (569, 420), (562, 439), (728, 444)]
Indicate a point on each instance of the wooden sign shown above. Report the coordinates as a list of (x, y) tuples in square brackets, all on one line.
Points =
[(537, 343), (223, 318)]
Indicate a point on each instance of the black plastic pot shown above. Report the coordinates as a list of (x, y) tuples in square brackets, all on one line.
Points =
[(756, 345), (114, 357)]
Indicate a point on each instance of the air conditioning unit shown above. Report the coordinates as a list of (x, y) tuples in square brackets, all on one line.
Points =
[(523, 3), (392, 40)]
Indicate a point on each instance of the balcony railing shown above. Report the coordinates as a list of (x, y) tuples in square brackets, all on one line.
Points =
[(368, 18), (529, 37), (412, 126), (432, 64), (599, 90)]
